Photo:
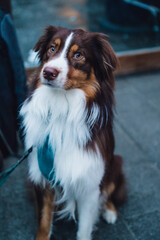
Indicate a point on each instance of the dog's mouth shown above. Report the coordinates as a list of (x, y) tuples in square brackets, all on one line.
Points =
[(51, 83)]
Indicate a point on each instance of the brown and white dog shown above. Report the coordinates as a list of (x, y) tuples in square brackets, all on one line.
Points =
[(70, 101)]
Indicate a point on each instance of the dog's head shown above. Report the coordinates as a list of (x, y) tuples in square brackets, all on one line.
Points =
[(75, 59)]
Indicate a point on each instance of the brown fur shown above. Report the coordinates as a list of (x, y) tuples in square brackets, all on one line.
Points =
[(114, 180), (58, 42), (110, 206), (74, 48), (78, 79), (109, 189), (45, 208)]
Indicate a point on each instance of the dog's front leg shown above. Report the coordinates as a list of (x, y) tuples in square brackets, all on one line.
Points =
[(45, 208), (88, 210)]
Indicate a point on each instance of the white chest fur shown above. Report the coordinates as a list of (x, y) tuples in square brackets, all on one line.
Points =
[(62, 115)]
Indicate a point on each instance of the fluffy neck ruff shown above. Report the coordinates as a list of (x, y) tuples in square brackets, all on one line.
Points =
[(62, 114)]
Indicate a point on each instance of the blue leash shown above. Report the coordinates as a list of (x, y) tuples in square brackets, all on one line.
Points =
[(45, 158), (6, 173)]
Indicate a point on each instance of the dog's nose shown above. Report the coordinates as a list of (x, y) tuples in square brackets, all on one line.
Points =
[(50, 73)]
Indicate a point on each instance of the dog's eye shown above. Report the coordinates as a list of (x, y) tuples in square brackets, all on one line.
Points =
[(78, 56), (52, 48)]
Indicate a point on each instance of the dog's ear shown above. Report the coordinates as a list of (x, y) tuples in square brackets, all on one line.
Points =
[(106, 60), (42, 43)]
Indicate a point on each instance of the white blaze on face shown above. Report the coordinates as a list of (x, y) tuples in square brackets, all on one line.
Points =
[(60, 63)]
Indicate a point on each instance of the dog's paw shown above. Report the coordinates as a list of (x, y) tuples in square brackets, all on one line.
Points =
[(110, 216)]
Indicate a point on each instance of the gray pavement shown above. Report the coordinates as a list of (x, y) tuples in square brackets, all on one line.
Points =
[(137, 132)]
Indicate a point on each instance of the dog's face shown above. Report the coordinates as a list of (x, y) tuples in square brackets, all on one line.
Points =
[(75, 59)]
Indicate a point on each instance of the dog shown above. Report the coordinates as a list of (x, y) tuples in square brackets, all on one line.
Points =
[(69, 110)]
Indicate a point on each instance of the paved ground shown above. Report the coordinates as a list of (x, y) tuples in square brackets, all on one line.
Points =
[(137, 131)]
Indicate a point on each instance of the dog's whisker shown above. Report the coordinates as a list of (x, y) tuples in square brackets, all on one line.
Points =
[(109, 65)]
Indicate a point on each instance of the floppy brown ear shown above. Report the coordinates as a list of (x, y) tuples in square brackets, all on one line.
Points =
[(110, 59), (107, 60), (42, 43)]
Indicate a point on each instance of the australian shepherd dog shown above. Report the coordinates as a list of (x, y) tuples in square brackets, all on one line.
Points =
[(68, 118)]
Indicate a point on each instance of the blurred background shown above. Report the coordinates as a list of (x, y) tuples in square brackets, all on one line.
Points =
[(133, 27), (130, 24)]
